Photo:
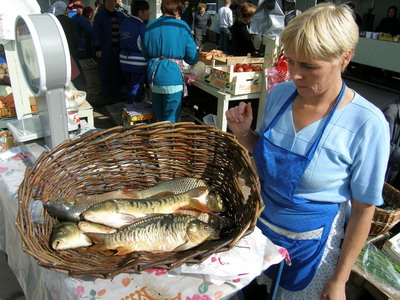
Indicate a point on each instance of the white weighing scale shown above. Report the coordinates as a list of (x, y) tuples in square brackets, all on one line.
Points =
[(45, 61)]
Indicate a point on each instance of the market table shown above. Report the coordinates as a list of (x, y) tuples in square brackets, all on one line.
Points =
[(378, 54), (223, 101), (218, 277)]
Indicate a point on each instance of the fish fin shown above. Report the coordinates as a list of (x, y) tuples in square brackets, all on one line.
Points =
[(123, 226), (196, 204), (162, 194), (123, 251), (98, 240), (182, 247), (186, 211), (129, 219), (198, 191), (131, 194)]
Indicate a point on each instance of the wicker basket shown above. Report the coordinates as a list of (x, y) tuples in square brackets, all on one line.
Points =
[(384, 220), (137, 157)]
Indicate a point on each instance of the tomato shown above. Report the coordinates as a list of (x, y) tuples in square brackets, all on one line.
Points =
[(245, 66), (239, 69), (257, 68), (248, 70)]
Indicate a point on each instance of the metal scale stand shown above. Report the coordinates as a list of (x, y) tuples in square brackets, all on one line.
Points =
[(45, 61)]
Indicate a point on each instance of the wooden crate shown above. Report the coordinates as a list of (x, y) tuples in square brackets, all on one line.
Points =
[(235, 83), (130, 118)]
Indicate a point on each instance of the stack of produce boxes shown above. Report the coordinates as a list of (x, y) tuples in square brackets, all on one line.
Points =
[(237, 75)]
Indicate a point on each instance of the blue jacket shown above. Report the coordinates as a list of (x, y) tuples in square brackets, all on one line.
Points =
[(83, 29), (168, 37), (131, 33), (102, 30)]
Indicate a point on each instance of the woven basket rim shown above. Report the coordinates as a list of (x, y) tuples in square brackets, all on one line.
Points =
[(384, 219)]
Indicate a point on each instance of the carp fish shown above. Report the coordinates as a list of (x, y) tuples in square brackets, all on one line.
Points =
[(120, 212), (158, 233), (67, 235), (71, 209)]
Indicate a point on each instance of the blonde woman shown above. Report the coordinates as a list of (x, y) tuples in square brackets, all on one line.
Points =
[(320, 146)]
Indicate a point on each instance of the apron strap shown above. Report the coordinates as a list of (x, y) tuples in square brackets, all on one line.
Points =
[(313, 148)]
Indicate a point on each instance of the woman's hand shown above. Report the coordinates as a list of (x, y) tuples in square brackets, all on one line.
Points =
[(239, 121), (334, 290), (240, 118)]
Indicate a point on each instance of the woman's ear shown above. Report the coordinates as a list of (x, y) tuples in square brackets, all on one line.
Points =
[(346, 60)]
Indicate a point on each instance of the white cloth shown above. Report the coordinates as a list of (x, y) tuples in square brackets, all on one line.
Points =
[(219, 276)]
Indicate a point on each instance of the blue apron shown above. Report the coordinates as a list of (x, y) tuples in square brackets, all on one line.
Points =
[(299, 225)]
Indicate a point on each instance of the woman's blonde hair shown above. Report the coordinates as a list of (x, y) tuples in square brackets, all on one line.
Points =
[(325, 31)]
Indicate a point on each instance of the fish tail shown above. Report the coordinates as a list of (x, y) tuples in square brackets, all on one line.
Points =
[(131, 194), (99, 241)]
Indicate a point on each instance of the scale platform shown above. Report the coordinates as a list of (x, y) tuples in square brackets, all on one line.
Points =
[(31, 129)]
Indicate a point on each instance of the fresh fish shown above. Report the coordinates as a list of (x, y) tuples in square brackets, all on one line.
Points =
[(169, 187), (70, 209), (218, 222), (159, 233), (85, 226), (67, 235), (179, 186), (64, 209), (120, 212)]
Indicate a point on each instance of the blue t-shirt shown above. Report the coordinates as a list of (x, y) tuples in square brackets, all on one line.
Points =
[(352, 156)]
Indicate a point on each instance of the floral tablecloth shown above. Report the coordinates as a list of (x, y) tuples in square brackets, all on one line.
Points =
[(218, 277)]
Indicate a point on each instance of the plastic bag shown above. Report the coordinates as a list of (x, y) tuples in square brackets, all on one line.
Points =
[(269, 19), (379, 269), (210, 119)]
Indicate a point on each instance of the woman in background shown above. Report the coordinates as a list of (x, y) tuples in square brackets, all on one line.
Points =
[(167, 43), (242, 40), (201, 24), (107, 49)]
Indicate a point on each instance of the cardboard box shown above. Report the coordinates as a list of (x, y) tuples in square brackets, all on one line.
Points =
[(235, 83), (231, 60), (131, 117), (7, 140)]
